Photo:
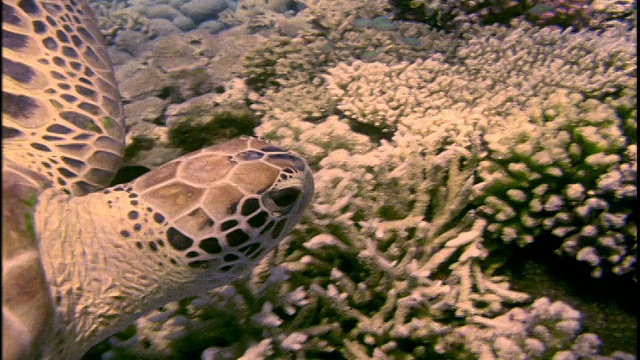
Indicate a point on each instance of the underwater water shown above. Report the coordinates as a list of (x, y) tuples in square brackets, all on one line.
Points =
[(475, 166)]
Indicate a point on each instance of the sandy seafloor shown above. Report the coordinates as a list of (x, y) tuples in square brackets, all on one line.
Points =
[(476, 171)]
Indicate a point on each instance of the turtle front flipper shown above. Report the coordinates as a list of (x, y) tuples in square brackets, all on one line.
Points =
[(61, 111)]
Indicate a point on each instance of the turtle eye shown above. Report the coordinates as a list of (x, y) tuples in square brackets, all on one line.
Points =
[(281, 199)]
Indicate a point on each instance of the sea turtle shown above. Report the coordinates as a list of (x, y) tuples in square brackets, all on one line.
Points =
[(80, 262)]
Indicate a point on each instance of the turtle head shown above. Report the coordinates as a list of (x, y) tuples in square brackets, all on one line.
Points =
[(223, 208)]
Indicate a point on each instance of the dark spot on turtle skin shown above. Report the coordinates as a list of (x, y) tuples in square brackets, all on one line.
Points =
[(39, 27), (125, 233), (77, 42), (61, 181), (277, 230), (59, 129), (9, 132), (89, 72), (9, 15), (29, 6), (226, 268), (259, 219), (76, 66), (193, 254), (67, 173), (228, 224), (158, 218), (297, 162), (13, 41), (247, 250), (178, 240), (55, 103), (200, 264), (17, 71), (52, 138), (285, 197), (69, 98), (139, 245), (257, 254), (250, 206), (266, 228), (62, 36), (81, 121), (250, 155), (134, 202), (132, 215), (86, 34), (69, 52), (50, 43), (153, 246), (86, 92), (232, 208), (74, 163), (133, 196), (90, 108), (137, 227), (71, 147), (193, 212), (271, 148), (237, 237), (40, 147), (160, 242), (18, 106), (211, 245), (51, 21), (173, 261), (231, 257)]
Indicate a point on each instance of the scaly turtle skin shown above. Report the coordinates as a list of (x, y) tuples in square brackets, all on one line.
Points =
[(80, 263)]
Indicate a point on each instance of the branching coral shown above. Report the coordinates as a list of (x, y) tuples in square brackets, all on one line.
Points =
[(337, 15), (283, 61), (559, 131), (573, 178), (532, 332), (459, 14)]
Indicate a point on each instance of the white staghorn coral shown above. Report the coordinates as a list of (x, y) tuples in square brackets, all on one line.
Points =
[(537, 130)]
